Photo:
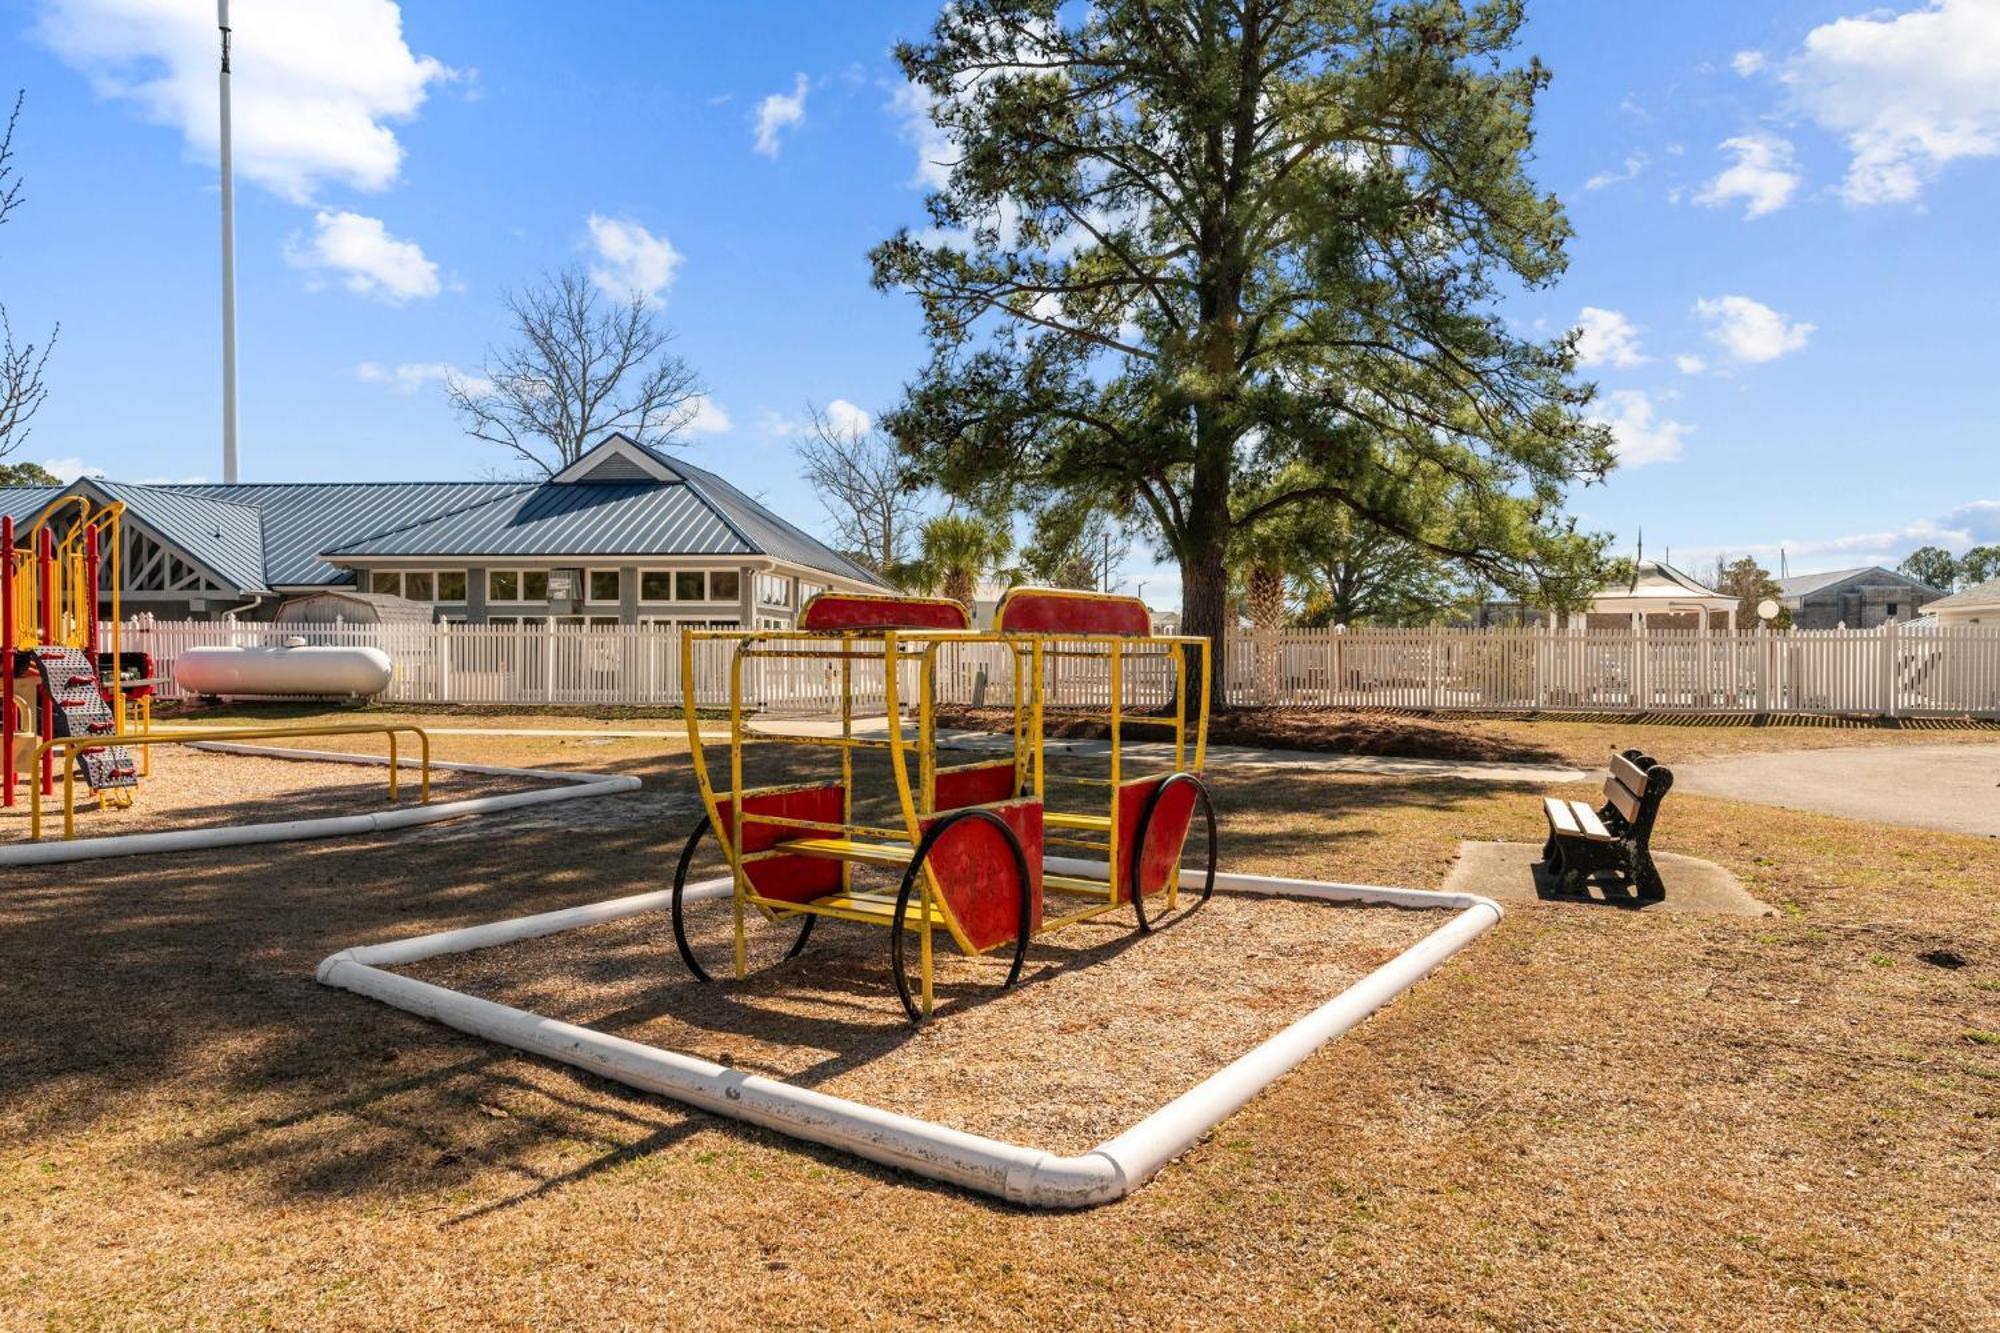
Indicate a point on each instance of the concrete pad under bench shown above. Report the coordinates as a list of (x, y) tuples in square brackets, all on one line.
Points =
[(1511, 872)]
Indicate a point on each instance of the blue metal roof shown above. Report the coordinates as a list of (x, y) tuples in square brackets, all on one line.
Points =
[(303, 519), (224, 536), (580, 519), (276, 535)]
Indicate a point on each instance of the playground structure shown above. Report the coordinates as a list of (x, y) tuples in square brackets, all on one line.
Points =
[(55, 684), (971, 839), (65, 695)]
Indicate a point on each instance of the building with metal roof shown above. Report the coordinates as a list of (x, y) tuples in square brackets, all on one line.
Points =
[(625, 535), (1861, 598), (1975, 605)]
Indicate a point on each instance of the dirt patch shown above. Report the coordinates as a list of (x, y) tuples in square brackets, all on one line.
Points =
[(1104, 1027)]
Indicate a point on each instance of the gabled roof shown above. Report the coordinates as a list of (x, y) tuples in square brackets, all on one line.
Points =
[(225, 537), (302, 519), (1967, 599), (1805, 585), (1656, 581), (679, 509)]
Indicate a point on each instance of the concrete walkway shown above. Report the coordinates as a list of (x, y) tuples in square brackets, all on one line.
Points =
[(1955, 788)]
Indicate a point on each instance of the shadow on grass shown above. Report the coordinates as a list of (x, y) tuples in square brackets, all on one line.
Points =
[(138, 987)]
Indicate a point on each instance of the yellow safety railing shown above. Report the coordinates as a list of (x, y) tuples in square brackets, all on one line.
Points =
[(69, 745)]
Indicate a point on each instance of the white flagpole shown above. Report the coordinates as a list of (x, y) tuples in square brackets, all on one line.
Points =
[(228, 263)]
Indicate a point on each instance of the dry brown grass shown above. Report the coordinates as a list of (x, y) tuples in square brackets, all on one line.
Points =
[(1589, 1118)]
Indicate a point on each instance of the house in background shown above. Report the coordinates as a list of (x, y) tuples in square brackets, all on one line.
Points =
[(1977, 605), (625, 535), (1862, 598)]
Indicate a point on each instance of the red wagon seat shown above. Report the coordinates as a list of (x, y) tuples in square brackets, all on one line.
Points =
[(791, 879), (974, 784)]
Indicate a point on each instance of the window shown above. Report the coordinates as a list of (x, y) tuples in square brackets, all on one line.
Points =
[(723, 585), (517, 585), (688, 586), (451, 585), (602, 585), (386, 581), (419, 586), (656, 585)]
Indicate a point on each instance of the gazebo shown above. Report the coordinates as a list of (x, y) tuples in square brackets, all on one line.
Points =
[(1659, 596)]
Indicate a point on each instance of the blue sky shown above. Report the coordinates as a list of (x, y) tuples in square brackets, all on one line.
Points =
[(1783, 251)]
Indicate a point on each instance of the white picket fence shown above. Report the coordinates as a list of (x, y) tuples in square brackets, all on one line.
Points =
[(1895, 672)]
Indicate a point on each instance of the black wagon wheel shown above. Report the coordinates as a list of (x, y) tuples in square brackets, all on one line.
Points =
[(1145, 826), (911, 878), (680, 921)]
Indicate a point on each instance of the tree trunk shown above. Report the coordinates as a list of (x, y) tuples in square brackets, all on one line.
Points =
[(1205, 611), (1267, 615)]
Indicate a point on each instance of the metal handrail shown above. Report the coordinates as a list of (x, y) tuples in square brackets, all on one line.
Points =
[(70, 745)]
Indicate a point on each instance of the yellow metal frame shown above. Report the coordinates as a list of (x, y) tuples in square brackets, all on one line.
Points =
[(895, 648), (69, 745)]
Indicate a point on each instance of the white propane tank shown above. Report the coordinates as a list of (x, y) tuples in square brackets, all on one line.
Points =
[(292, 669)]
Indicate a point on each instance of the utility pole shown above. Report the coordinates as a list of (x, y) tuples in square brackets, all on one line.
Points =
[(228, 262)]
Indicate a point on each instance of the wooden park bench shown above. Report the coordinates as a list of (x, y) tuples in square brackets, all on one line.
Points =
[(1616, 838)]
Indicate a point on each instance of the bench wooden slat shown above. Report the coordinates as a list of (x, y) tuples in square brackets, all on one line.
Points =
[(1622, 797), (1559, 816), (1587, 822), (1629, 773)]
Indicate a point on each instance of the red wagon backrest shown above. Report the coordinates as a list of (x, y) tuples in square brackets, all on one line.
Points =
[(1064, 611), (831, 612)]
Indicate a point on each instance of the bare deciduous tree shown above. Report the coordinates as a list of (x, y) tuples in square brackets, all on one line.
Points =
[(21, 387), (862, 484), (580, 367)]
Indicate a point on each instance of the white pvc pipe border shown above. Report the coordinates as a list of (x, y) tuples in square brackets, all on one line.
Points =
[(1021, 1175), (577, 786)]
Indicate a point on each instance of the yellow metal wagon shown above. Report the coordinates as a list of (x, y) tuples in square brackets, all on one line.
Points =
[(973, 838)]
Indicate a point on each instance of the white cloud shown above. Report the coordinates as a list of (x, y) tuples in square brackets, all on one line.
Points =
[(69, 469), (1639, 434), (705, 416), (1763, 176), (780, 112), (936, 152), (1747, 63), (368, 259), (1606, 337), (1690, 364), (1634, 164), (1750, 331), (631, 259), (848, 419), (1970, 524), (411, 376), (314, 87), (1911, 92)]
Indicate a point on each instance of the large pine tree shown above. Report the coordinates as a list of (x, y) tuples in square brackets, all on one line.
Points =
[(1183, 249)]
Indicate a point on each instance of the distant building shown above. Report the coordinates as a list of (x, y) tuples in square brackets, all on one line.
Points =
[(1977, 605), (625, 535), (1857, 598)]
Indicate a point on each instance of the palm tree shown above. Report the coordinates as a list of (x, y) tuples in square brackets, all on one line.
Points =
[(957, 550)]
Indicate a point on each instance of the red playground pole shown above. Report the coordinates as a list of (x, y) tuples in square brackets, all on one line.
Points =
[(7, 655), (45, 568)]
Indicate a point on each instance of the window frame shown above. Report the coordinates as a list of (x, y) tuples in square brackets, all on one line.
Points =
[(590, 597)]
